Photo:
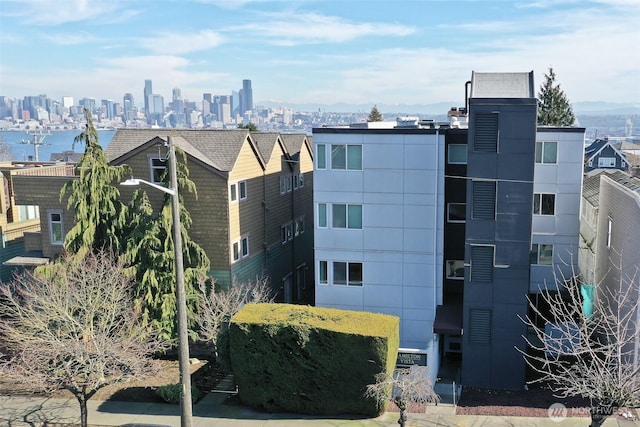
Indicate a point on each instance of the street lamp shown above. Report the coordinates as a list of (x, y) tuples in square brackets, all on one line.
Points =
[(181, 301)]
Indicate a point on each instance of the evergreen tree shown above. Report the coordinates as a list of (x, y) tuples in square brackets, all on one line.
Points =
[(249, 126), (150, 254), (95, 200), (554, 108), (374, 115)]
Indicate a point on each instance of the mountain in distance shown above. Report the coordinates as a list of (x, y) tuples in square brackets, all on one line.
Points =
[(441, 108)]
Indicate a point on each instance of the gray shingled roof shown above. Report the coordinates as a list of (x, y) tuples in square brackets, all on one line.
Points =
[(591, 189), (293, 142), (502, 85), (218, 148), (265, 141)]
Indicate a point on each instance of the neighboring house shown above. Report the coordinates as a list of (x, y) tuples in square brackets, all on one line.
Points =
[(240, 212), (451, 228), (603, 154), (612, 249), (68, 156), (23, 191)]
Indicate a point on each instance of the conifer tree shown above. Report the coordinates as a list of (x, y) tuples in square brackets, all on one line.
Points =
[(374, 115), (94, 198), (150, 254), (554, 108)]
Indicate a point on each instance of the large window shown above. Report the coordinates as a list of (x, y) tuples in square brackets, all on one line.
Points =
[(541, 254), (322, 215), (56, 228), (546, 152), (607, 162), (347, 273), (458, 154), (346, 216), (158, 166), (323, 272), (456, 212), (544, 204), (346, 157)]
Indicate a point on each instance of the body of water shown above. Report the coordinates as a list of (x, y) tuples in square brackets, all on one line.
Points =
[(56, 142)]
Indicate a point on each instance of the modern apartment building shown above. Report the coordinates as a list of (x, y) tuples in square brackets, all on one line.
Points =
[(450, 226)]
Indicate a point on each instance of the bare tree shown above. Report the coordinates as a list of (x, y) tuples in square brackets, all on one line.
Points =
[(217, 307), (73, 326), (404, 387), (589, 348)]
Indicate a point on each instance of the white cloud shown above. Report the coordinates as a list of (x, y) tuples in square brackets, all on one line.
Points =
[(57, 12), (183, 42), (69, 39), (294, 29)]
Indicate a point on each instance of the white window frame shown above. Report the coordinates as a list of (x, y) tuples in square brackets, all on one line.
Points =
[(286, 232), (301, 180), (606, 162), (346, 157), (240, 249), (242, 185), (321, 158), (299, 226), (59, 222), (609, 231), (323, 266), (160, 169), (348, 281), (324, 220), (542, 145), (466, 155), (540, 196), (346, 220)]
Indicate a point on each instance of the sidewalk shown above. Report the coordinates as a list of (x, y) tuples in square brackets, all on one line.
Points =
[(216, 410)]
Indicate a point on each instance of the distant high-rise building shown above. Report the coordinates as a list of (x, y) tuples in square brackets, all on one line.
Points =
[(158, 104), (88, 103), (67, 101), (206, 104), (127, 107), (148, 97), (177, 94), (246, 97), (224, 109)]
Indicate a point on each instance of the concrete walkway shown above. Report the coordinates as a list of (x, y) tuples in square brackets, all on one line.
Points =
[(218, 410)]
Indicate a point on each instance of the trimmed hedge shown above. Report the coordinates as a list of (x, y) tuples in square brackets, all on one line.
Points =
[(310, 360)]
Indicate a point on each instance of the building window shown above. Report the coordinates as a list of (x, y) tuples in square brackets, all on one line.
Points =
[(347, 157), (301, 180), (458, 154), (456, 212), (486, 133), (28, 212), (544, 204), (541, 254), (238, 189), (482, 260), (158, 167), (322, 215), (299, 226), (609, 229), (347, 273), (321, 156), (322, 272), (479, 326), (286, 232), (346, 216), (455, 269), (484, 200), (240, 249), (283, 185), (546, 152), (607, 162), (56, 228)]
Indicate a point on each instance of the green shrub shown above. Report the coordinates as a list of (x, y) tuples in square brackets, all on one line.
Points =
[(170, 393), (310, 360)]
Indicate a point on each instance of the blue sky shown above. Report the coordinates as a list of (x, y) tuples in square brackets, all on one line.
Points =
[(315, 52)]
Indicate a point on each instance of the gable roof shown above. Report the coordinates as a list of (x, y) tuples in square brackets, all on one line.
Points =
[(266, 141), (598, 145), (218, 148)]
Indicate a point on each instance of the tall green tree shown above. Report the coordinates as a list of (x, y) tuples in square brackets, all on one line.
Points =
[(150, 254), (94, 198), (374, 115), (554, 108)]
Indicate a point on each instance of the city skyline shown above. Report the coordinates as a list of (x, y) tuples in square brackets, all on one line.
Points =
[(315, 52)]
